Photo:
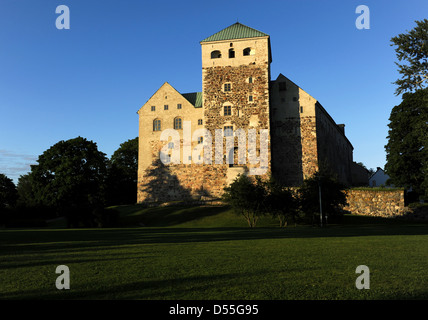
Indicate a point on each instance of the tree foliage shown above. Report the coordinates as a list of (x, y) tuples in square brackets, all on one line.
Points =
[(246, 196), (412, 48), (280, 202), (8, 193), (69, 177), (122, 174), (406, 150), (333, 197)]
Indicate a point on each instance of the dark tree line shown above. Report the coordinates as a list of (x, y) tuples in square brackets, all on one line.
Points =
[(75, 180)]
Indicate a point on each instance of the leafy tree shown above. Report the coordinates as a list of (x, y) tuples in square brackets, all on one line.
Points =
[(406, 152), (246, 197), (69, 177), (8, 197), (412, 47), (122, 174), (8, 194), (333, 197), (280, 202), (26, 195)]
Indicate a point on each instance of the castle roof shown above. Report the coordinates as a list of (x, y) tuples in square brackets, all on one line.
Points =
[(194, 98), (235, 31)]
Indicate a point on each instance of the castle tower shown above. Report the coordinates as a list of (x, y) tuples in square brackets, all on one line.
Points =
[(235, 87)]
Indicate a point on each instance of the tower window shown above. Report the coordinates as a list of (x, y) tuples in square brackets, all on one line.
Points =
[(156, 125), (177, 124), (301, 109), (200, 140), (250, 98), (227, 87), (179, 106), (250, 80), (228, 131), (153, 108), (231, 53), (215, 54), (227, 110), (248, 52), (165, 107), (200, 122)]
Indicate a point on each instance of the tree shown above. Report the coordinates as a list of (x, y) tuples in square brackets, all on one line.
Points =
[(8, 194), (26, 195), (412, 47), (8, 197), (69, 177), (280, 202), (122, 174), (406, 152), (333, 197), (246, 197)]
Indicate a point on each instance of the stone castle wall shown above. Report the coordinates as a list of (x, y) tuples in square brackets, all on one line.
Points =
[(376, 203)]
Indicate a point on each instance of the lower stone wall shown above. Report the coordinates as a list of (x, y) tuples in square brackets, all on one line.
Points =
[(377, 203), (162, 183)]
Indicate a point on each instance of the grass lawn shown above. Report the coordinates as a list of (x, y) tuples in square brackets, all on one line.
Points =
[(209, 253)]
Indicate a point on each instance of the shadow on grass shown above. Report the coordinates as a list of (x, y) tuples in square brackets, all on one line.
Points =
[(149, 289), (68, 240), (170, 215)]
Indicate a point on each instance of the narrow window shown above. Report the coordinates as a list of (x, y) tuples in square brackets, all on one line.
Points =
[(250, 98), (200, 140), (165, 107), (200, 122), (157, 125), (231, 53), (301, 109), (250, 80), (228, 131), (153, 108), (179, 106), (215, 54), (227, 87), (227, 110), (177, 123)]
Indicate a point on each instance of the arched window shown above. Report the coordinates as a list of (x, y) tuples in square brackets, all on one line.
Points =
[(231, 53), (215, 54), (248, 52), (156, 125), (178, 123)]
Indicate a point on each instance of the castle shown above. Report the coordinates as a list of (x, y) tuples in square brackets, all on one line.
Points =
[(188, 142)]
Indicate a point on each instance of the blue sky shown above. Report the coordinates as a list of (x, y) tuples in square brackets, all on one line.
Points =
[(91, 80)]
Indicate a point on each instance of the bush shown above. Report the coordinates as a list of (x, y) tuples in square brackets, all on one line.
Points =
[(246, 196), (333, 198), (280, 203)]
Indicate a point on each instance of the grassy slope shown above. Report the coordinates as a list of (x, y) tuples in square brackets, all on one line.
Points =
[(203, 259)]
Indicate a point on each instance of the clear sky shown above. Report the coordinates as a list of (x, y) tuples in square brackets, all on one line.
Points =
[(91, 80)]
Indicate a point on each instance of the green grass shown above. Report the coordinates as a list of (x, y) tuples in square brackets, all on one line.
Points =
[(209, 253)]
